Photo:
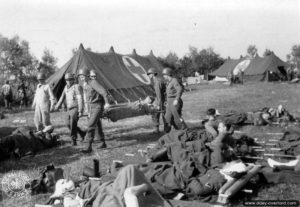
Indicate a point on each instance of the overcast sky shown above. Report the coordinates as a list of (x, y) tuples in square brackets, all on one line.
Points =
[(229, 26)]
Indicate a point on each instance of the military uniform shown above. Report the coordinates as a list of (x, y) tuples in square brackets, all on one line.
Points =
[(43, 101), (74, 101), (7, 93), (95, 97), (160, 90), (211, 127), (22, 94), (174, 91)]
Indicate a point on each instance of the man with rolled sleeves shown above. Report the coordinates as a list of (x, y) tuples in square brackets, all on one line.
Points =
[(96, 101), (72, 95), (174, 105), (160, 90)]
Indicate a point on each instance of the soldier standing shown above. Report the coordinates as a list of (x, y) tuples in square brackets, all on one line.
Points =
[(72, 94), (160, 90), (96, 100), (174, 106), (7, 94), (43, 103)]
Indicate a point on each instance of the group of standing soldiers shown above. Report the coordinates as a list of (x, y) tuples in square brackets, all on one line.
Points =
[(169, 104), (7, 94), (89, 98)]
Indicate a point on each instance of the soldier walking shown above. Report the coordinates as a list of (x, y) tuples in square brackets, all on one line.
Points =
[(174, 105), (160, 90), (72, 95), (95, 101)]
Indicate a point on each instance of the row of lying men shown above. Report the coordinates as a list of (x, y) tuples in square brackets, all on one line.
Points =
[(189, 163), (194, 167)]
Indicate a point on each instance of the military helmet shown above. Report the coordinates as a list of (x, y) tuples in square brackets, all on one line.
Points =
[(69, 76), (151, 71), (93, 72), (83, 71), (167, 71), (41, 76)]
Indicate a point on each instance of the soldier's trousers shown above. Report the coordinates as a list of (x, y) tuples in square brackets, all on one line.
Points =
[(173, 114), (7, 101), (94, 129), (156, 117), (42, 116), (72, 123)]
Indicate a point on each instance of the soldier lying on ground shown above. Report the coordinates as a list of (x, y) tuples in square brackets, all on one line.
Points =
[(261, 117), (129, 189), (191, 178), (290, 141), (215, 146), (24, 141)]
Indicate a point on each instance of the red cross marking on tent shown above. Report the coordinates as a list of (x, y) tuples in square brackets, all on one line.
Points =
[(136, 69)]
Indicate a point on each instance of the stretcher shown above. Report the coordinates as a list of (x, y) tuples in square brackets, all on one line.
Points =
[(123, 111), (231, 187)]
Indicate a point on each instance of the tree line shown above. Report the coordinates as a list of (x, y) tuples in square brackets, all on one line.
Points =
[(207, 60), (16, 59)]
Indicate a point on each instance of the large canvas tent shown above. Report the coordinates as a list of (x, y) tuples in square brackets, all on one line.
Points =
[(256, 69), (123, 76)]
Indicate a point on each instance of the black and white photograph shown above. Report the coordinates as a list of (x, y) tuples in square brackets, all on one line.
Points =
[(161, 103)]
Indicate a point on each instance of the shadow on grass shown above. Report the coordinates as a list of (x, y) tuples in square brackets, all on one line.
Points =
[(57, 156), (5, 131), (142, 137)]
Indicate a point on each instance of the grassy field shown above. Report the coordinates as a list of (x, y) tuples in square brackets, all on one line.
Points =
[(127, 136)]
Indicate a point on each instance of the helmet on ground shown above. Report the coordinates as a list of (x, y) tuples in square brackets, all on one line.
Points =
[(41, 76), (151, 71), (83, 71), (69, 76), (167, 71)]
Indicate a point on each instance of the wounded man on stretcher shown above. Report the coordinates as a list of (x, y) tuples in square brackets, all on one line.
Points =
[(137, 108)]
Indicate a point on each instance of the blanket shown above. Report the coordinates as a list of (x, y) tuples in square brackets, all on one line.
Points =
[(110, 193)]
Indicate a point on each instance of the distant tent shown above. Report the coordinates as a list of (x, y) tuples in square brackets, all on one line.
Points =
[(123, 76), (257, 69), (227, 67)]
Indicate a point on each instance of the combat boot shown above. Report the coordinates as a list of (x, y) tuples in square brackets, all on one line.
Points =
[(74, 142), (87, 149), (102, 146)]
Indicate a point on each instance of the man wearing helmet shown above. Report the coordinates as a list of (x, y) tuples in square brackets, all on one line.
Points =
[(174, 91), (160, 90), (72, 94), (43, 103), (95, 98)]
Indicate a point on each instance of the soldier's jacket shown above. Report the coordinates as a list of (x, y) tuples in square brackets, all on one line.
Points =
[(205, 186), (6, 89), (174, 89), (211, 127), (160, 90), (73, 97), (94, 93), (43, 96)]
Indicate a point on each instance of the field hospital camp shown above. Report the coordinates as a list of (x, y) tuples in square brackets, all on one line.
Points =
[(149, 104)]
